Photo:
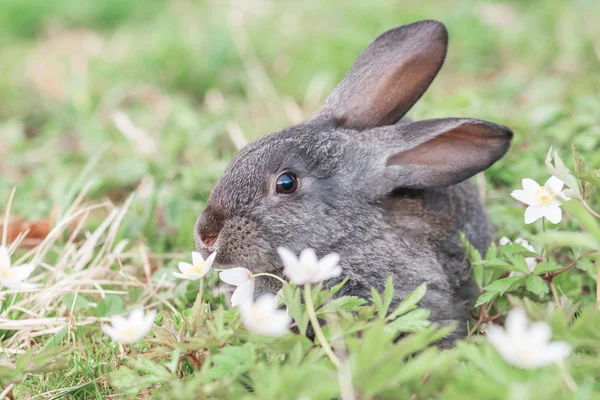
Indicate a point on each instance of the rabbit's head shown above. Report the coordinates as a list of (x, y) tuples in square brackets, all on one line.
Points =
[(318, 184)]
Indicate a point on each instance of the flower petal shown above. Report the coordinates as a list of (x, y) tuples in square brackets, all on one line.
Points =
[(209, 262), (119, 322), (308, 257), (504, 241), (4, 257), (18, 285), (529, 185), (242, 294), (288, 258), (147, 322), (22, 272), (110, 332), (330, 261), (189, 277), (525, 244), (235, 276), (539, 332), (197, 258), (266, 303), (553, 214), (136, 317), (516, 323), (533, 213), (525, 197), (557, 351), (531, 263), (326, 273), (554, 184), (184, 267)]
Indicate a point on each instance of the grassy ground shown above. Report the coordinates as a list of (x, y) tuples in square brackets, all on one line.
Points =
[(108, 99)]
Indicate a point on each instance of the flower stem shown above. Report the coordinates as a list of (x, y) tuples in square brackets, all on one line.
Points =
[(312, 315), (587, 206), (565, 375), (271, 275), (197, 308), (546, 256), (555, 294), (598, 279)]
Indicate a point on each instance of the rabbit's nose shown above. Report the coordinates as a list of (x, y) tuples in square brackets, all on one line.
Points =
[(208, 228)]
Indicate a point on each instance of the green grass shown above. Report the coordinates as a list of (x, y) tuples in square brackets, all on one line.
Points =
[(189, 74)]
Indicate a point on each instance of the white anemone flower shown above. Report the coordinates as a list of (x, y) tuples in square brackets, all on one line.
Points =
[(542, 201), (132, 329), (13, 277), (242, 278), (307, 267), (530, 261), (263, 317), (526, 345), (198, 269)]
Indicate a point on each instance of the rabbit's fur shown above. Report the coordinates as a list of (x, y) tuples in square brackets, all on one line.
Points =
[(389, 195)]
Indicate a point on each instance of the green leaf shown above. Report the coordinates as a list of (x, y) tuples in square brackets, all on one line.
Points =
[(536, 285), (519, 264), (410, 302), (57, 338), (503, 285), (232, 361), (337, 287), (111, 304), (485, 298), (291, 295), (569, 239), (78, 303), (346, 303), (546, 266), (585, 265), (586, 219), (388, 295), (414, 321), (376, 299), (476, 261)]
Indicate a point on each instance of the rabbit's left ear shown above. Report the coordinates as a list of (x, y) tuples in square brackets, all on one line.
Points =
[(388, 77), (433, 153)]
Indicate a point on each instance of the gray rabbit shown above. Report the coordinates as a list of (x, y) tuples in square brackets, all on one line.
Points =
[(388, 194)]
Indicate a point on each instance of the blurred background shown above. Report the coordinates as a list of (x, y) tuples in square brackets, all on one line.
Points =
[(154, 96)]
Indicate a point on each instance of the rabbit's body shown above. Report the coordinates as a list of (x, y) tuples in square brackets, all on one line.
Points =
[(388, 195)]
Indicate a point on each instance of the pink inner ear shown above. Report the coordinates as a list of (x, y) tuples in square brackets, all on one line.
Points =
[(466, 146)]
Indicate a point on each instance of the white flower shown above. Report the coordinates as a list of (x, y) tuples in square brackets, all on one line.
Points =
[(530, 261), (198, 269), (263, 317), (13, 277), (526, 346), (307, 268), (543, 201), (242, 278), (130, 330)]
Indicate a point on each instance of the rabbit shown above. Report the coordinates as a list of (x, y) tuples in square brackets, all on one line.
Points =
[(388, 194)]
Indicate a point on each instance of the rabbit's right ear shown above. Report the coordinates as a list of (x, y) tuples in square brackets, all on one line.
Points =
[(388, 77)]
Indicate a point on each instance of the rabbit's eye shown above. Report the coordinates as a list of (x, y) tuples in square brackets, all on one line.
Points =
[(287, 183)]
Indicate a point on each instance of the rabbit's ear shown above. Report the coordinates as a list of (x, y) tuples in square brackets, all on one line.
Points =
[(388, 77), (439, 152)]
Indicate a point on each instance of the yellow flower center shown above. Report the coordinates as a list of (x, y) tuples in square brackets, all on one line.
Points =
[(6, 273), (196, 269), (308, 268), (260, 316), (127, 333), (544, 196)]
